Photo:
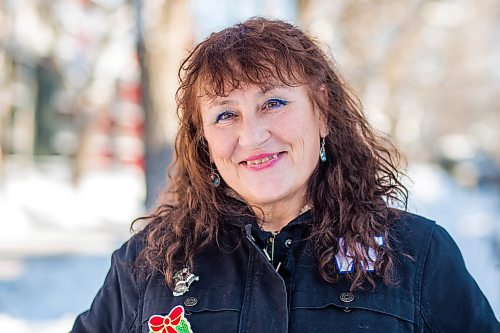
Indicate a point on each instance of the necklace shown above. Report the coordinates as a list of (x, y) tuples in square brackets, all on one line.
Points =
[(302, 211)]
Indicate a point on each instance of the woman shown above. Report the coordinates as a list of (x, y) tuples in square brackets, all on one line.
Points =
[(276, 217)]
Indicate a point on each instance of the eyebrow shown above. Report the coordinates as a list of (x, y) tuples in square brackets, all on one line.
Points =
[(222, 102), (268, 87), (263, 90)]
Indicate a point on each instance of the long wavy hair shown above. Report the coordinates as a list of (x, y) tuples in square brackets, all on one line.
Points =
[(350, 193)]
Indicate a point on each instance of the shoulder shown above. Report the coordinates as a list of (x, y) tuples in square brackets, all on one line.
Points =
[(124, 260), (422, 246), (410, 233), (115, 306), (429, 262), (129, 250), (409, 222), (418, 235)]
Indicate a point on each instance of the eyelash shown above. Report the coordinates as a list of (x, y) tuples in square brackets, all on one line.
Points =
[(273, 103), (279, 101), (223, 116)]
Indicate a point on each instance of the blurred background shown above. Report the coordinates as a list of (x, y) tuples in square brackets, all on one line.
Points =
[(87, 119)]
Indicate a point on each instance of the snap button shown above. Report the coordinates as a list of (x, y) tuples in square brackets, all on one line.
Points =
[(347, 297), (190, 301), (288, 242)]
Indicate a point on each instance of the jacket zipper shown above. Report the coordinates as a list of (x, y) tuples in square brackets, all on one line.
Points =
[(271, 244), (264, 254), (271, 247)]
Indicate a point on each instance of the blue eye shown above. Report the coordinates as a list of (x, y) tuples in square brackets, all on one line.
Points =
[(225, 115), (274, 103)]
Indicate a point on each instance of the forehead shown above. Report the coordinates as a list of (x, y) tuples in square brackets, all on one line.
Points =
[(213, 81)]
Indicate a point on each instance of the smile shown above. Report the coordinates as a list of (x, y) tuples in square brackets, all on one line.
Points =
[(261, 161)]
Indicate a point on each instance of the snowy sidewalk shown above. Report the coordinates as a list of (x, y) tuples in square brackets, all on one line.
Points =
[(54, 237), (42, 214)]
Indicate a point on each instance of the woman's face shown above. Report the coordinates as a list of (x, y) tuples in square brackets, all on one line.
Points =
[(264, 141)]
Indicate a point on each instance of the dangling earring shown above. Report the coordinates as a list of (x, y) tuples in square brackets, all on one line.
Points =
[(215, 177), (322, 152)]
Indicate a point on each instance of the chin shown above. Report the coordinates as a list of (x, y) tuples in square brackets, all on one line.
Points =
[(266, 198)]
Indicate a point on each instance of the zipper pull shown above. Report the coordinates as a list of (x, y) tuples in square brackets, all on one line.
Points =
[(271, 244)]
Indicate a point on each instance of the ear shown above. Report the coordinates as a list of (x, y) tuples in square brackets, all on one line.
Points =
[(323, 105), (210, 155), (206, 147), (323, 127)]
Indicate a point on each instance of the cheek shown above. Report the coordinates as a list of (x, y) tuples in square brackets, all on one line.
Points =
[(220, 145), (304, 132), (308, 144)]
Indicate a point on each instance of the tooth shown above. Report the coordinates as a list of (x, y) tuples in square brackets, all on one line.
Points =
[(263, 160)]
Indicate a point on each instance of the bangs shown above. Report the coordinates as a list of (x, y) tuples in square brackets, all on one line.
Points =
[(221, 76), (256, 55)]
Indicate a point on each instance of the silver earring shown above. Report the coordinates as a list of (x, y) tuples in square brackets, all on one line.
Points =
[(215, 177), (322, 151)]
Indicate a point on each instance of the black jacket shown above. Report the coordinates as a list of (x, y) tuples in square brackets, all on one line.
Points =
[(239, 290)]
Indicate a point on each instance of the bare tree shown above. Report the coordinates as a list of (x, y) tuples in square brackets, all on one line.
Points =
[(163, 43), (422, 68)]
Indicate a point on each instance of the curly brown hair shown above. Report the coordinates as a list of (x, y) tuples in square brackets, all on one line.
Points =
[(350, 193)]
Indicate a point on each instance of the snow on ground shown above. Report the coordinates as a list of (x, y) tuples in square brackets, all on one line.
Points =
[(42, 214), (54, 236), (59, 325)]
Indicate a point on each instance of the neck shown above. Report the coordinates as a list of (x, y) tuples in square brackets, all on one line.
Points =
[(273, 217)]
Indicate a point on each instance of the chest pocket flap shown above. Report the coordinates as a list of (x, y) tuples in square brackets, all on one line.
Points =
[(387, 309), (217, 307)]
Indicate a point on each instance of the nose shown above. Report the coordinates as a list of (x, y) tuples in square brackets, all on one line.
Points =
[(254, 133)]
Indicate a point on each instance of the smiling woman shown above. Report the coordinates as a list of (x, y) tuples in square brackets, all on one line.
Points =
[(277, 216), (266, 147)]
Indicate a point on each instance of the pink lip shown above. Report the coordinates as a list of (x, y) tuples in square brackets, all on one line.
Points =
[(264, 165), (258, 157)]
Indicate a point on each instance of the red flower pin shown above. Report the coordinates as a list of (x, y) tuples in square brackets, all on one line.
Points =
[(168, 323)]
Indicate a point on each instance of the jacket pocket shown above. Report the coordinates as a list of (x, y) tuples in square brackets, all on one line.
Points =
[(335, 310), (205, 310)]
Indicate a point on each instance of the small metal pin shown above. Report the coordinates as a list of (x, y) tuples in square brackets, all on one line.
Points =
[(183, 280), (347, 297), (190, 301)]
